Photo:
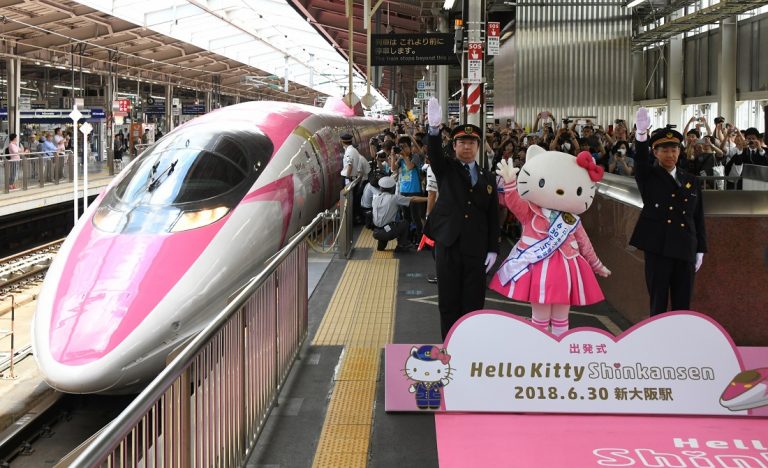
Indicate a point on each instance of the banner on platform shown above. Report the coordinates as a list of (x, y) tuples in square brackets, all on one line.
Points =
[(675, 363)]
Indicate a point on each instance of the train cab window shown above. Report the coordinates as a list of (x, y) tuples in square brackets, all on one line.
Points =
[(190, 171)]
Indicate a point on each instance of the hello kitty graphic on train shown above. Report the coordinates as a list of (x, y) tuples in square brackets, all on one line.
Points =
[(429, 367), (553, 265)]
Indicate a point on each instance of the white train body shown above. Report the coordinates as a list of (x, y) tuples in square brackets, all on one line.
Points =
[(177, 233)]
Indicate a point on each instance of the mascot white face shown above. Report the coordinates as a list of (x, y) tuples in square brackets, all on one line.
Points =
[(558, 181)]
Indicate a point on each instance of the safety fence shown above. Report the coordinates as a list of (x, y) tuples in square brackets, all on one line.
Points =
[(35, 169), (209, 405), (346, 228)]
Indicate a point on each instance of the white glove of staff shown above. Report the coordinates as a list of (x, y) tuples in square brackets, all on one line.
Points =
[(643, 123), (434, 112), (699, 260), (490, 260)]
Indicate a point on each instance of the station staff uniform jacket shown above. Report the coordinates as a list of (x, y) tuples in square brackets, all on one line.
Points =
[(464, 224), (670, 230)]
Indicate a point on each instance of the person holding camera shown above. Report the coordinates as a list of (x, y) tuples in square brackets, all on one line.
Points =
[(464, 222), (407, 168), (750, 152), (621, 163), (388, 225), (670, 230), (565, 140)]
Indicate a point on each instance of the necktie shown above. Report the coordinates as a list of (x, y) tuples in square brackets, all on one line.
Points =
[(469, 173)]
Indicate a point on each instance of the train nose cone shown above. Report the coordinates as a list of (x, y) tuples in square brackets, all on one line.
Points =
[(110, 283)]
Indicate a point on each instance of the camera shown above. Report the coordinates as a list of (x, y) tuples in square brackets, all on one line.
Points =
[(567, 121), (397, 149)]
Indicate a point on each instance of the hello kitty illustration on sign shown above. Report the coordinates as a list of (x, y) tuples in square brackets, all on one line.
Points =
[(429, 367), (553, 265)]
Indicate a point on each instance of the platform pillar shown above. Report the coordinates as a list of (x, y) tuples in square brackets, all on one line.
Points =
[(727, 68)]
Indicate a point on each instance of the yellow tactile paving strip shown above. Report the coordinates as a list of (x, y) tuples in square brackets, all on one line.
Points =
[(365, 240), (362, 306), (360, 317)]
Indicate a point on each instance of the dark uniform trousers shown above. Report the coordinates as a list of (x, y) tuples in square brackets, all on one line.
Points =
[(464, 225), (670, 231)]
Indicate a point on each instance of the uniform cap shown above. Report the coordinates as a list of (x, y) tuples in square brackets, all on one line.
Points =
[(386, 182), (665, 136), (346, 137), (466, 131)]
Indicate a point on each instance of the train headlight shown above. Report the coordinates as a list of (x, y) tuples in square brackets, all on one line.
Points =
[(195, 219), (109, 220)]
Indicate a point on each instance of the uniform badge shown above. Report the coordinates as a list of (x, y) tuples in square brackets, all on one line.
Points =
[(687, 185), (568, 218), (490, 189), (469, 130)]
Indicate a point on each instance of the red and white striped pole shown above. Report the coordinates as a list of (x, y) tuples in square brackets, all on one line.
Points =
[(474, 93)]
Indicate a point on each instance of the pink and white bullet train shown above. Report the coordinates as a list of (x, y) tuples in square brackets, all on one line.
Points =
[(160, 251)]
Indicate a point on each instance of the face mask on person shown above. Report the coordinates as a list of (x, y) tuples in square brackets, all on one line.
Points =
[(566, 146)]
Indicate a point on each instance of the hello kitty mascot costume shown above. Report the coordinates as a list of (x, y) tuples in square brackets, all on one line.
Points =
[(553, 265)]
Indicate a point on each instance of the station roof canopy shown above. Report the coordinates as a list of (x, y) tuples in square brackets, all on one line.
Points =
[(244, 46)]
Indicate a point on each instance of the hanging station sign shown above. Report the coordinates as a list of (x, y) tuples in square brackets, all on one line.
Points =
[(412, 49)]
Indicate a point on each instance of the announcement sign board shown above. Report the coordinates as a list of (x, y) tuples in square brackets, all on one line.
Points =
[(495, 362), (412, 49)]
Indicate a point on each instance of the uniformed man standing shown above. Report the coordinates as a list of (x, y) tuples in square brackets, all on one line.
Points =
[(463, 223), (670, 230)]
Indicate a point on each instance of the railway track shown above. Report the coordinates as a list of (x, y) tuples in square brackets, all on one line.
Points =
[(26, 267)]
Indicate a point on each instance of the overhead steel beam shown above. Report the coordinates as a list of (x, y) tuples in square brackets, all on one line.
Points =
[(709, 15)]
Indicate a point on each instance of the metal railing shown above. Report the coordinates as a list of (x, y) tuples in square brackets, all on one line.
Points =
[(209, 405), (346, 205), (41, 169)]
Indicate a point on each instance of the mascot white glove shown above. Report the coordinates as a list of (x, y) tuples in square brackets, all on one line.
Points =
[(507, 171), (699, 260), (603, 271), (434, 112), (490, 260), (643, 123)]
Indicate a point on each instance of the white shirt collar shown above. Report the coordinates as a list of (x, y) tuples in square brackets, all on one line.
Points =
[(673, 173)]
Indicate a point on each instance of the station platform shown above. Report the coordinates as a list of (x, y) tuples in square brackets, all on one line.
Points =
[(34, 197), (331, 411)]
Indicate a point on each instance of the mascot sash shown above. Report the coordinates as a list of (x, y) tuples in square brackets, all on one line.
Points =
[(516, 266)]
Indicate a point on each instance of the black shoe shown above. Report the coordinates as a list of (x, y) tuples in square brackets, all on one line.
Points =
[(432, 279), (403, 248)]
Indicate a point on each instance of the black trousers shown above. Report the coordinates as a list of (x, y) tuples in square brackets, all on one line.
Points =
[(460, 285), (668, 278), (397, 230)]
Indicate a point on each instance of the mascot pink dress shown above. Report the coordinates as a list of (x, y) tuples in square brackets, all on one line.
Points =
[(553, 265)]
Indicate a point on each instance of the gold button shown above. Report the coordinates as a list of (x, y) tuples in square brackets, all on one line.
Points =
[(669, 221), (469, 203), (673, 195), (682, 225), (685, 200), (670, 208), (466, 216), (470, 190)]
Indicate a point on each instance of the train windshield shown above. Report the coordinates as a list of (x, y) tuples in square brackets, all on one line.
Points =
[(194, 170)]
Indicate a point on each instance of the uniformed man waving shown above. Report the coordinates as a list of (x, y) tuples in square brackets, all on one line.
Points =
[(463, 223), (670, 230)]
